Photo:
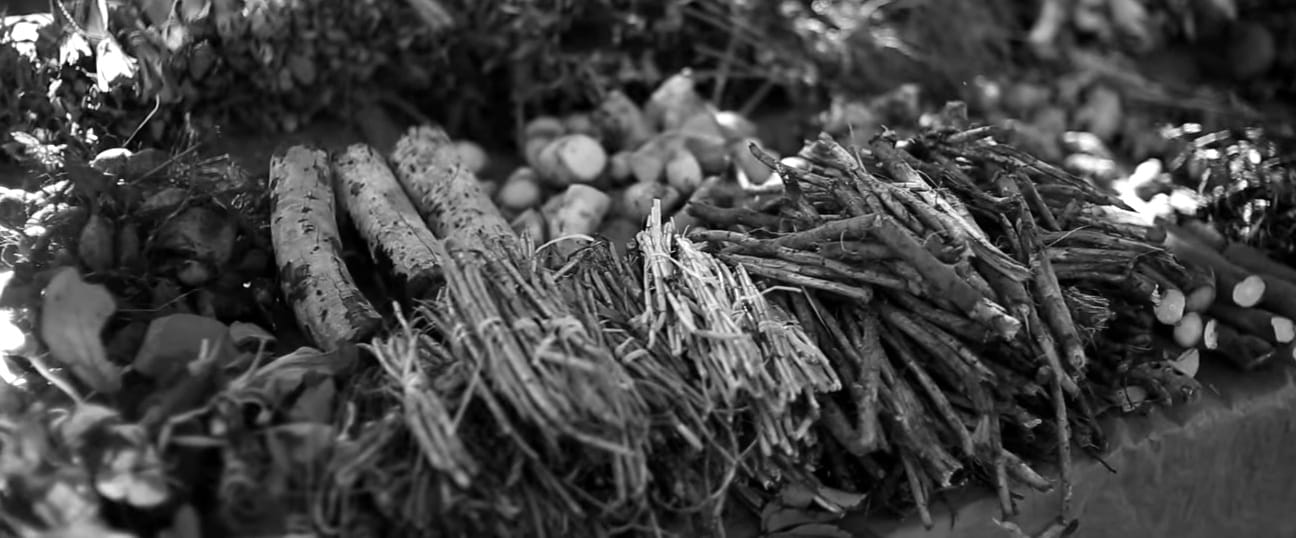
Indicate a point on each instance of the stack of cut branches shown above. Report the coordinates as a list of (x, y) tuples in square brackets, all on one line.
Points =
[(980, 307)]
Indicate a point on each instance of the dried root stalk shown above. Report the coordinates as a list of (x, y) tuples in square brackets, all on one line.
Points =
[(386, 218), (448, 195), (315, 281)]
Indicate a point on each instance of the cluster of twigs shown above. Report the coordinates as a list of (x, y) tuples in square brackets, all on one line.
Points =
[(980, 306), (516, 406), (612, 395)]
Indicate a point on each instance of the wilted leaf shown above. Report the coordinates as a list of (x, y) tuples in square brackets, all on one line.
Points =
[(112, 65), (144, 161), (73, 48), (111, 161), (73, 428), (196, 441), (202, 234), (299, 443), (175, 34), (243, 333), (151, 61), (194, 10), (1130, 398), (22, 447), (315, 404), (227, 15), (87, 181), (434, 15), (72, 315), (133, 475), (164, 201), (201, 59), (796, 494), (844, 500), (1132, 17), (813, 530), (95, 244), (285, 374), (783, 518), (12, 402), (302, 68), (1225, 8), (26, 140), (174, 341), (93, 18), (67, 509), (157, 10)]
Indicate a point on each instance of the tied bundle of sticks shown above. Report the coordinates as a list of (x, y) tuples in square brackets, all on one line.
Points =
[(697, 330), (530, 410), (963, 311)]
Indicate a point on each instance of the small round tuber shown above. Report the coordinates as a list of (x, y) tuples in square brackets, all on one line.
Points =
[(637, 199), (648, 163), (702, 124), (532, 148), (734, 126), (571, 159), (619, 170), (623, 121), (520, 191), (471, 155), (531, 224), (683, 172), (579, 213), (111, 161), (544, 127), (710, 151), (580, 123)]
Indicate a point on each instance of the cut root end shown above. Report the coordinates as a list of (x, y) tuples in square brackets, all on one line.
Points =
[(1188, 332), (1170, 307), (1249, 291), (1283, 329), (1200, 299)]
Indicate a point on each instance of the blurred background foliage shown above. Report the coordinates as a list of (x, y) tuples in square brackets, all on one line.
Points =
[(478, 67)]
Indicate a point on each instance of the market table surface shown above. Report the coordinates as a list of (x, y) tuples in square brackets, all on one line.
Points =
[(1216, 467)]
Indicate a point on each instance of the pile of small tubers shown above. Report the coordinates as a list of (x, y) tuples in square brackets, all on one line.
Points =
[(599, 171)]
